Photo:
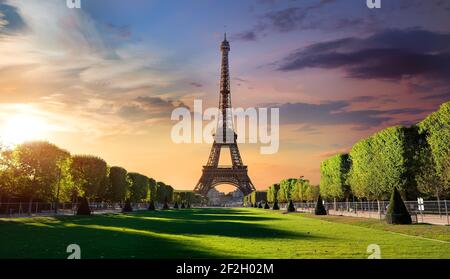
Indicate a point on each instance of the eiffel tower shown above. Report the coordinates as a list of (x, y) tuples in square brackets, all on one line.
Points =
[(225, 137)]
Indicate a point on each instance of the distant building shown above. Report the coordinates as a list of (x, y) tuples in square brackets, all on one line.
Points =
[(217, 198)]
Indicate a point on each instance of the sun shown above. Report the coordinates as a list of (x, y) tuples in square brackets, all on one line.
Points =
[(21, 128)]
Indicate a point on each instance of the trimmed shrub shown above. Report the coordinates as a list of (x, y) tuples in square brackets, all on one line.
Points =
[(151, 206), (397, 212), (165, 206), (175, 206), (182, 205), (260, 205), (291, 207), (266, 206), (320, 209), (188, 205), (275, 206), (127, 207), (83, 207)]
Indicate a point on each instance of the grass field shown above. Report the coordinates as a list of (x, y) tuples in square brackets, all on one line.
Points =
[(218, 233)]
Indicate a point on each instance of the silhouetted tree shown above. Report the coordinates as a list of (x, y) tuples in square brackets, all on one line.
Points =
[(320, 209), (151, 206), (291, 207), (266, 205), (397, 212), (275, 206), (127, 207), (83, 207), (165, 206)]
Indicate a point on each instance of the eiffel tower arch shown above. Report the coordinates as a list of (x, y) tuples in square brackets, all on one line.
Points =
[(225, 137)]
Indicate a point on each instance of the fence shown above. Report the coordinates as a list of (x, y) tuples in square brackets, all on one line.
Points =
[(433, 212), (21, 209)]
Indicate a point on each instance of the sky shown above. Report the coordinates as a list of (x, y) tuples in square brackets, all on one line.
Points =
[(104, 79)]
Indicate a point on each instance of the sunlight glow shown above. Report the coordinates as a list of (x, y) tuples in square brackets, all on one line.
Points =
[(22, 127)]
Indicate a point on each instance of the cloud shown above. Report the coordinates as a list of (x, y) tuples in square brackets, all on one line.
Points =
[(10, 19), (81, 70), (148, 107), (337, 113), (196, 84), (301, 17), (392, 55), (293, 18), (245, 36)]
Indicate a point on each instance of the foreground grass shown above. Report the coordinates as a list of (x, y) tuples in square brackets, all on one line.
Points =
[(214, 233)]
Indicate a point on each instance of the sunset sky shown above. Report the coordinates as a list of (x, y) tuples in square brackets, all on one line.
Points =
[(104, 79)]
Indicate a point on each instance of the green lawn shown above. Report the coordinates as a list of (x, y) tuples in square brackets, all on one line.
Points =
[(217, 233)]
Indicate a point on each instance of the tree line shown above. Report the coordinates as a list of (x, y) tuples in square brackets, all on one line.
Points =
[(41, 171), (292, 189), (415, 160)]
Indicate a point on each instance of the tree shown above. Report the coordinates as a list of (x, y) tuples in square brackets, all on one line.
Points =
[(397, 212), (127, 207), (164, 193), (384, 161), (291, 207), (272, 193), (275, 206), (90, 174), (436, 129), (333, 177), (166, 205), (361, 178), (8, 174), (320, 209), (39, 168), (139, 187), (152, 189), (312, 192), (151, 206), (286, 187), (119, 184), (83, 207)]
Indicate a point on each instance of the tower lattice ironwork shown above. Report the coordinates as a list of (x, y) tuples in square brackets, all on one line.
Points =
[(225, 137)]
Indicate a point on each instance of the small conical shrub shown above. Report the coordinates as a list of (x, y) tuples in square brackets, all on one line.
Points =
[(397, 212), (260, 205), (182, 205), (127, 207), (188, 205), (275, 206), (83, 207), (320, 209), (266, 206), (291, 207), (256, 205), (176, 205), (151, 206), (165, 206)]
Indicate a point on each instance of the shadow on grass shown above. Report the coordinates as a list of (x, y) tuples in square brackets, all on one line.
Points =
[(159, 234)]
